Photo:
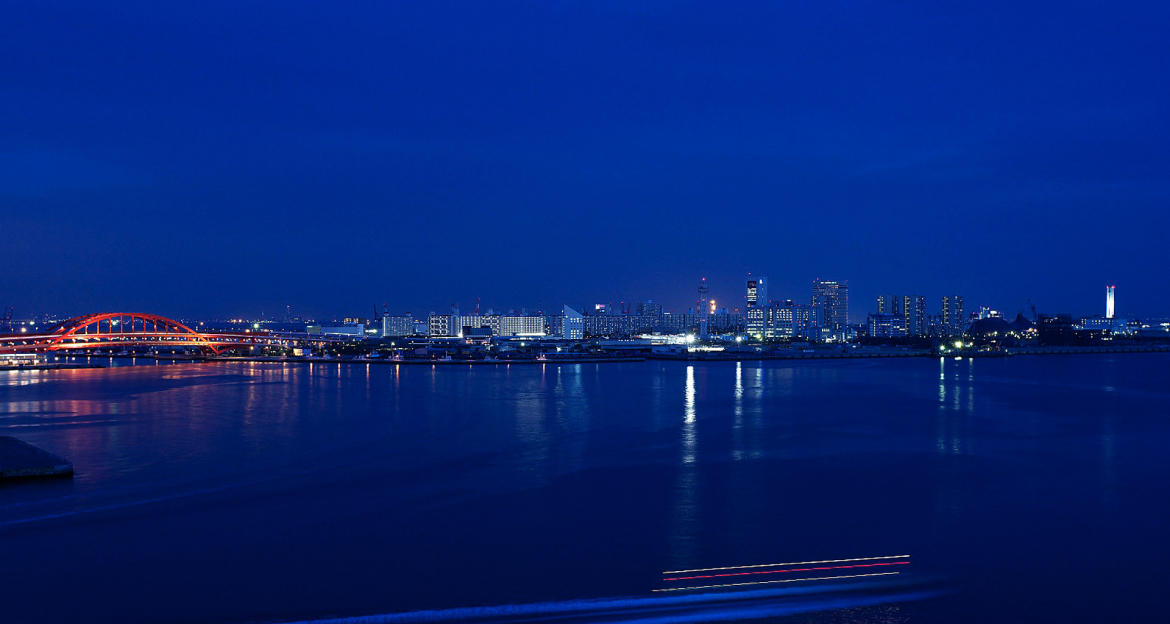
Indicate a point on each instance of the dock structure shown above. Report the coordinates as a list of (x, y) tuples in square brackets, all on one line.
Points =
[(20, 459)]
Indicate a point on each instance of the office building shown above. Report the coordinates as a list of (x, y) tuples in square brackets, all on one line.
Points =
[(831, 299), (757, 292), (755, 321), (397, 326), (573, 324), (886, 326)]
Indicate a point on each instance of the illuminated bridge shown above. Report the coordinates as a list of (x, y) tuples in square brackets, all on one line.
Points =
[(131, 330)]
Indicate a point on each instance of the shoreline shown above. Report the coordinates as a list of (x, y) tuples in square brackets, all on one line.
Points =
[(684, 357)]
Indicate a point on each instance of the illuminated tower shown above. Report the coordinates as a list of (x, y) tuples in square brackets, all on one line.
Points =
[(1109, 302), (757, 291), (703, 290)]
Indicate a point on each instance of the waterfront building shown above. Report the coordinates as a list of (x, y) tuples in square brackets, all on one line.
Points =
[(479, 321), (886, 325), (512, 325), (397, 326), (613, 325), (573, 324), (442, 325), (1109, 302), (831, 299)]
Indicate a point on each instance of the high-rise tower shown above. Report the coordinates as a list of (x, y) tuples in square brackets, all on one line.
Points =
[(1109, 302), (832, 300), (703, 290), (757, 291)]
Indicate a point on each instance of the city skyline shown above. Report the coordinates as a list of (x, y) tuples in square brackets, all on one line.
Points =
[(934, 305)]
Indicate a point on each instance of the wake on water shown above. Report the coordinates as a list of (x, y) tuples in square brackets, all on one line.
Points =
[(705, 607)]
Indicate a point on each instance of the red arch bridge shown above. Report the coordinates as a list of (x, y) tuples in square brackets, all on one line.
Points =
[(129, 330)]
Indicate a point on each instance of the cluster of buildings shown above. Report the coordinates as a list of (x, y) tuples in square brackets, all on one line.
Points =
[(823, 318), (905, 316)]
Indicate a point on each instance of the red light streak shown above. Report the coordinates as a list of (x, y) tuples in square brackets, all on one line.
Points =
[(818, 578), (776, 565), (859, 565)]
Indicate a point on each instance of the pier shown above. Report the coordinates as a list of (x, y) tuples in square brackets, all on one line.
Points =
[(20, 459)]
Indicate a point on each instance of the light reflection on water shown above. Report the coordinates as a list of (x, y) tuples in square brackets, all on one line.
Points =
[(560, 481)]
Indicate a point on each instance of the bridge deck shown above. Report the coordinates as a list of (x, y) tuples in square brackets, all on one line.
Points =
[(21, 459)]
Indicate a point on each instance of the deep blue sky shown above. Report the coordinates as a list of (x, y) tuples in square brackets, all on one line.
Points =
[(227, 158)]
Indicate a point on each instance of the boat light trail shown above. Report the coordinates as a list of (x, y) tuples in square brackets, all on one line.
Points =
[(858, 565), (818, 578), (776, 565)]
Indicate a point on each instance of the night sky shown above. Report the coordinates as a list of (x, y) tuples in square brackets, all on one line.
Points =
[(230, 158)]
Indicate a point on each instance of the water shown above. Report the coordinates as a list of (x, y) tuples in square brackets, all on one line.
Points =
[(1026, 489)]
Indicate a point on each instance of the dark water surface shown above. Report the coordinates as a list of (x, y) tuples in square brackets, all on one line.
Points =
[(1030, 488)]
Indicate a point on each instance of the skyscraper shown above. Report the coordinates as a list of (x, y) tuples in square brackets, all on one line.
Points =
[(952, 315), (914, 309), (757, 292), (832, 300), (1109, 302), (701, 308), (890, 304)]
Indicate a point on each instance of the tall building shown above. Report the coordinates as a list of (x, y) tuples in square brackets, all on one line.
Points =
[(1109, 302), (757, 292), (832, 302), (914, 309), (889, 304), (952, 315), (702, 303)]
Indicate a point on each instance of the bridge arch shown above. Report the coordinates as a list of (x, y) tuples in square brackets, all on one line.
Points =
[(75, 332)]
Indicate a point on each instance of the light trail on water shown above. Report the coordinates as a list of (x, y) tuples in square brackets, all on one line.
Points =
[(776, 565), (859, 565)]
